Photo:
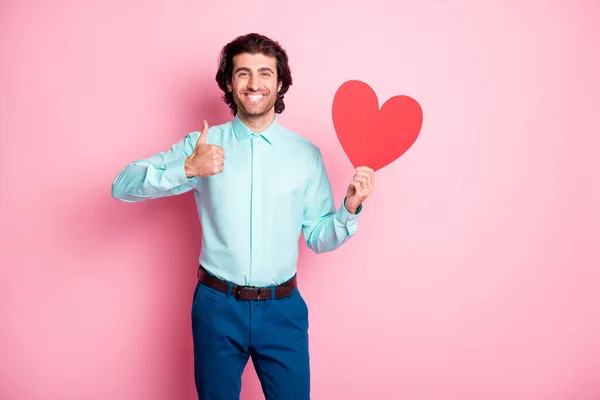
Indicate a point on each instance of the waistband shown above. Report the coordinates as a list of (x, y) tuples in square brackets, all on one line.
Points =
[(282, 290)]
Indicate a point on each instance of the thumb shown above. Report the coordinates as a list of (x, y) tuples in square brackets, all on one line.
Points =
[(203, 134)]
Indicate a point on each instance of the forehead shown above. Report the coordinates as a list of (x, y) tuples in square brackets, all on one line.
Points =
[(254, 61)]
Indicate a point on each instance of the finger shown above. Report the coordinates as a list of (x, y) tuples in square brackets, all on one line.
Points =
[(358, 187), (363, 190), (369, 175), (365, 172), (217, 150), (369, 183), (218, 156), (362, 180), (203, 134), (365, 187), (217, 169), (365, 178), (362, 174), (366, 169)]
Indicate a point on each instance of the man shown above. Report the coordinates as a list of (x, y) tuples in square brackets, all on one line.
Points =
[(257, 186)]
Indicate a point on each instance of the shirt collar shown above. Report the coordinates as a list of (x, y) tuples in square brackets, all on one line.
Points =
[(242, 132)]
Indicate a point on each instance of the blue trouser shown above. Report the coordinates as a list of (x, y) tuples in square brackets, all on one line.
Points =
[(227, 331)]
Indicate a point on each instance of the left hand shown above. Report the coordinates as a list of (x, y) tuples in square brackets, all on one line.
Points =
[(360, 188)]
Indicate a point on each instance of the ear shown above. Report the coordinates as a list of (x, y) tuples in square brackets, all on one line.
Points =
[(279, 87), (229, 86)]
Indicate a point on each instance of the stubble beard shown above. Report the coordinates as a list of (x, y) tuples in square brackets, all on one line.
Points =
[(254, 115)]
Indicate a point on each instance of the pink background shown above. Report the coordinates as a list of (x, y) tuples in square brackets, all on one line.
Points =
[(476, 258)]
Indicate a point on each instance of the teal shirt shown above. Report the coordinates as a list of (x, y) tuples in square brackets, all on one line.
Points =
[(273, 188)]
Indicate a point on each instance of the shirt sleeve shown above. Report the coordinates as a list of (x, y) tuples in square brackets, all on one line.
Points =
[(160, 175), (324, 228)]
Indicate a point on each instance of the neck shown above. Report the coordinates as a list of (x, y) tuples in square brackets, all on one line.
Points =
[(257, 123)]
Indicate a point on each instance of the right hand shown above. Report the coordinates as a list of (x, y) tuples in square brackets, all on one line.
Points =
[(207, 159)]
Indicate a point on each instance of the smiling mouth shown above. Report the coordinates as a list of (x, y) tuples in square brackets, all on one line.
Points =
[(254, 97)]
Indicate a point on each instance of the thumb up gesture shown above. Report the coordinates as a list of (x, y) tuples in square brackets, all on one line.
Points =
[(207, 159)]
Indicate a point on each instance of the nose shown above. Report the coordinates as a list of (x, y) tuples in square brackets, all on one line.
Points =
[(253, 82)]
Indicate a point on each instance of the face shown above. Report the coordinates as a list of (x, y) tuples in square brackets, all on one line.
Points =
[(254, 84)]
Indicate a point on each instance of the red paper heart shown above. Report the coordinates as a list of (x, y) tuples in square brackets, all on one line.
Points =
[(369, 136)]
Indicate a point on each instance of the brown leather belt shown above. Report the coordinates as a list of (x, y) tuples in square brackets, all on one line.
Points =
[(247, 292)]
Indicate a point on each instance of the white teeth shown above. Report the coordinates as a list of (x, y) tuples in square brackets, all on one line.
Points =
[(255, 97)]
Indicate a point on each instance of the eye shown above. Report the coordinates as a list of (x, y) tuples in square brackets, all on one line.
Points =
[(243, 74), (266, 74)]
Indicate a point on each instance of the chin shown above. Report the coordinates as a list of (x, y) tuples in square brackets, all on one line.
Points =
[(254, 112)]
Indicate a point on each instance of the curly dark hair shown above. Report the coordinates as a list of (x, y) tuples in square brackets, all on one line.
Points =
[(253, 43)]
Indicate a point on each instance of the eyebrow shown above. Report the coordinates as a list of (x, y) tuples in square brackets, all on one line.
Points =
[(262, 69)]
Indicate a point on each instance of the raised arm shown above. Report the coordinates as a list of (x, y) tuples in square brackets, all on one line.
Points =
[(170, 172)]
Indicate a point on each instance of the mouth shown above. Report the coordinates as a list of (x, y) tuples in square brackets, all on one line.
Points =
[(254, 97)]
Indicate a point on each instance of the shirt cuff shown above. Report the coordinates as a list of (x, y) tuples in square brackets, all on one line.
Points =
[(175, 172), (348, 219)]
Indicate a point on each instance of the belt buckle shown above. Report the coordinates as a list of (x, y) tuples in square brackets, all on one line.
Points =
[(238, 290), (256, 289)]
